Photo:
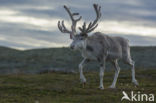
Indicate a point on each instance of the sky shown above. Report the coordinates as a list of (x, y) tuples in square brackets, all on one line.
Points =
[(29, 24)]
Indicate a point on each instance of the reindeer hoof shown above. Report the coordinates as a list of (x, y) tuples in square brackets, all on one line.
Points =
[(101, 87), (112, 86), (135, 82), (83, 80), (83, 84)]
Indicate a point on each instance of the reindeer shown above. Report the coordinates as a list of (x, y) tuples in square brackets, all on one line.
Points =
[(98, 46)]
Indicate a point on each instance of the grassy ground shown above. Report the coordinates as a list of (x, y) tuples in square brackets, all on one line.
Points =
[(65, 88)]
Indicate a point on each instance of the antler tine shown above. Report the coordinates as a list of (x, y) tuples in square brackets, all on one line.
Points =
[(68, 10), (59, 26), (92, 28), (62, 27), (83, 27), (97, 10), (72, 14), (75, 14), (74, 21), (92, 25)]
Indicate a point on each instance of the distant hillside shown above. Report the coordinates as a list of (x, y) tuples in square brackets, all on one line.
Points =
[(63, 59)]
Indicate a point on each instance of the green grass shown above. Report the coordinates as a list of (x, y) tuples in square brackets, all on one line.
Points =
[(57, 87)]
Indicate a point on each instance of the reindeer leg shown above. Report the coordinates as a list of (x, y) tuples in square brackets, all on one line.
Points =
[(117, 70), (82, 77), (132, 64), (133, 73), (101, 74)]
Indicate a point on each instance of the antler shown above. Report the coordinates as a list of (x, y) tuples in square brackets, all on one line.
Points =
[(63, 28), (91, 25)]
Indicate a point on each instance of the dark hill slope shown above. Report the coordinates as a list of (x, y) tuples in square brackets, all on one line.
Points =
[(62, 59)]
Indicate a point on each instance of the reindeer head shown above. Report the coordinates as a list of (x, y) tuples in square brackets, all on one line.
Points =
[(79, 39)]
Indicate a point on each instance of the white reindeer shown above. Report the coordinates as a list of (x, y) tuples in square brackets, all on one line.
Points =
[(98, 46)]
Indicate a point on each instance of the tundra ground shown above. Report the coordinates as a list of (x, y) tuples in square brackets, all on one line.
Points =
[(57, 87)]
